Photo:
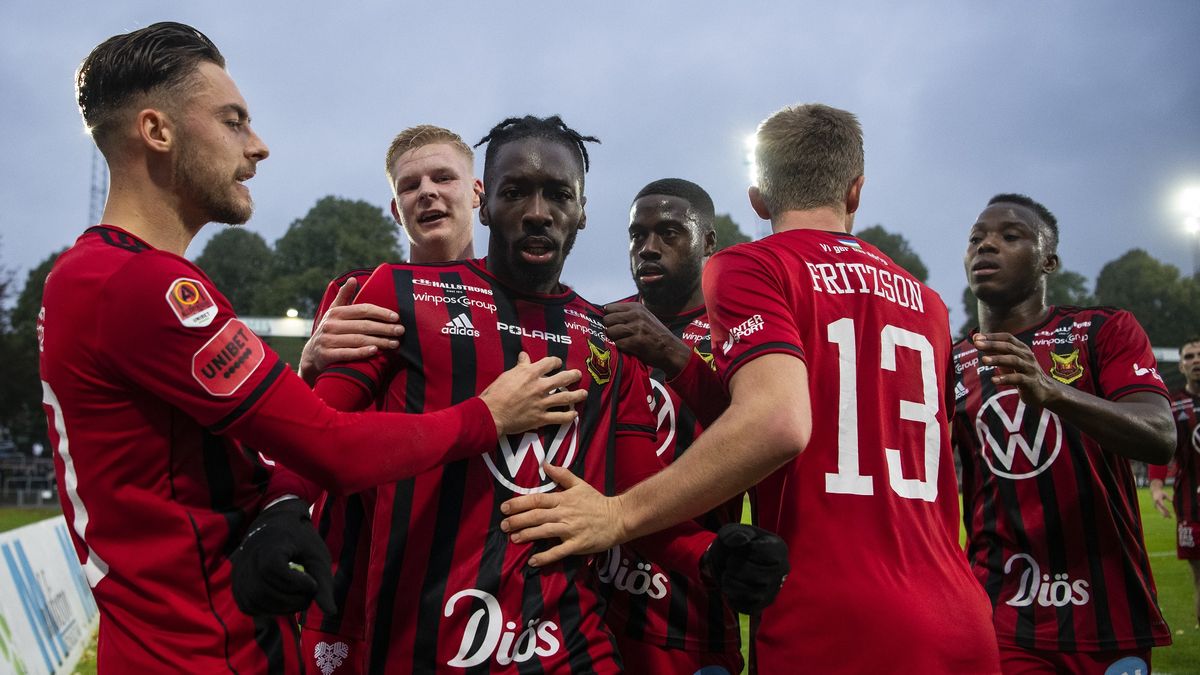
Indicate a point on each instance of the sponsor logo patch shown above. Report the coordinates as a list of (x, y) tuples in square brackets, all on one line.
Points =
[(1066, 369), (598, 363), (228, 359), (747, 327), (1142, 372), (191, 302), (1003, 425), (330, 656), (960, 391), (518, 461)]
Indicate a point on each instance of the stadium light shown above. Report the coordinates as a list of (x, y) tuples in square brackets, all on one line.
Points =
[(292, 313), (1189, 201), (751, 142)]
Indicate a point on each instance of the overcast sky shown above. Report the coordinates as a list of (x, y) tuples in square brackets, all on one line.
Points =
[(1091, 107)]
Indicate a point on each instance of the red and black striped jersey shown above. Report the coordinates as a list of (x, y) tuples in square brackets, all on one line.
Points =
[(1187, 457), (446, 589), (646, 601), (869, 509), (1053, 524)]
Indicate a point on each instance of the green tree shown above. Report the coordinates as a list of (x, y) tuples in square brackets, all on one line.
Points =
[(1063, 287), (728, 232), (20, 383), (1165, 302), (335, 235), (897, 248), (238, 261)]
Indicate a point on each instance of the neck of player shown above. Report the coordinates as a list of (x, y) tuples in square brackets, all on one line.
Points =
[(157, 217), (1013, 318)]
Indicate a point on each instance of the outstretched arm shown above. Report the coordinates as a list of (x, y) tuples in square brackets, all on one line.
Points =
[(767, 424)]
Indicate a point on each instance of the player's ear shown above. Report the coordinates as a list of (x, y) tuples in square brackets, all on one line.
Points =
[(710, 243), (155, 130), (396, 212), (1050, 263), (757, 203), (477, 188), (854, 194), (483, 210), (583, 212)]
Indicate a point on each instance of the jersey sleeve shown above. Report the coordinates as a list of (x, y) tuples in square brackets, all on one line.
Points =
[(353, 385), (1126, 361), (701, 388), (748, 311), (166, 330)]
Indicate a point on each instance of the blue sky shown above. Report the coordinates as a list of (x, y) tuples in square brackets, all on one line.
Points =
[(1091, 107)]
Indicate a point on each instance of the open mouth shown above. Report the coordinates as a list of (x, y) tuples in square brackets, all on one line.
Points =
[(983, 268), (430, 217), (537, 250)]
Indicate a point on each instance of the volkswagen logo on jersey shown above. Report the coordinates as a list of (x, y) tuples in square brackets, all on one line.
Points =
[(1196, 438), (517, 462), (664, 409), (1003, 430)]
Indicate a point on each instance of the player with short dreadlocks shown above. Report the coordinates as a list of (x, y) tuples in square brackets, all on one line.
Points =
[(447, 590)]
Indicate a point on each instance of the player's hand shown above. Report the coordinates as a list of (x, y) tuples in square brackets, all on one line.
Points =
[(749, 565), (526, 396), (283, 564), (1160, 502), (1016, 366), (349, 332), (636, 331), (583, 519)]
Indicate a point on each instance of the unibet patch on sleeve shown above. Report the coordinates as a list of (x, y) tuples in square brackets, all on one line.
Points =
[(227, 360), (191, 302)]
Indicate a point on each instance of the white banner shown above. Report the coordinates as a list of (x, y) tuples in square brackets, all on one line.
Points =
[(47, 614)]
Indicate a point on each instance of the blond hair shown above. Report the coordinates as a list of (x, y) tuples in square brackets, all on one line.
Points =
[(807, 156), (422, 135)]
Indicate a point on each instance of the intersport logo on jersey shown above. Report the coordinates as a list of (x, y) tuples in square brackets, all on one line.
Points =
[(489, 635), (517, 462), (1003, 425)]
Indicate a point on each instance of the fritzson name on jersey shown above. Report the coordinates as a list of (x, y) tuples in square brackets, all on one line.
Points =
[(861, 277)]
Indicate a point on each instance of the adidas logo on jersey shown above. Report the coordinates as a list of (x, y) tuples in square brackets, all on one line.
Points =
[(960, 391), (460, 325)]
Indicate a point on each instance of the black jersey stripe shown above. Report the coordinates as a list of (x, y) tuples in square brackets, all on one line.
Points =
[(402, 494), (495, 546), (452, 488), (252, 398), (358, 378), (1093, 548), (749, 353), (677, 613), (218, 476), (270, 638), (353, 518)]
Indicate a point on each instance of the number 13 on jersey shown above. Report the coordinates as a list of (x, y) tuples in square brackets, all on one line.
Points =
[(848, 479)]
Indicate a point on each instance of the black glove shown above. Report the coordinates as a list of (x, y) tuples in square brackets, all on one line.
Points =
[(265, 580), (749, 565)]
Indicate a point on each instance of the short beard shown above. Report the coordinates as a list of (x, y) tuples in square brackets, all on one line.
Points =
[(675, 289), (199, 182)]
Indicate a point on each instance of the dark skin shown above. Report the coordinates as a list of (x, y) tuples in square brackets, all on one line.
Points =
[(1009, 255), (667, 248), (533, 206)]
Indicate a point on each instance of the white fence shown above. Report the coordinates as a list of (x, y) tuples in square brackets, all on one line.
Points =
[(47, 614)]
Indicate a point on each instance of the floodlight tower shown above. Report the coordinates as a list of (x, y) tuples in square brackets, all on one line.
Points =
[(99, 190)]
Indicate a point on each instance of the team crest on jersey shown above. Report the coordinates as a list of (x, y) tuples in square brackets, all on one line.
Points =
[(1002, 427), (1066, 369), (599, 364), (518, 461), (228, 359), (708, 358), (191, 302)]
